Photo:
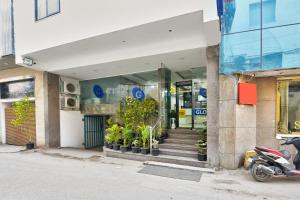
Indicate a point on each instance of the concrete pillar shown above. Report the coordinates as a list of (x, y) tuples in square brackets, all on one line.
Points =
[(52, 110), (237, 131), (40, 99), (266, 112), (213, 105), (164, 89)]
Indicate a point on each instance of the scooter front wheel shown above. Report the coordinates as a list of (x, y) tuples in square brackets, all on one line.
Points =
[(258, 174)]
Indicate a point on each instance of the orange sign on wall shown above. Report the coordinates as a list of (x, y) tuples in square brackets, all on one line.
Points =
[(247, 93)]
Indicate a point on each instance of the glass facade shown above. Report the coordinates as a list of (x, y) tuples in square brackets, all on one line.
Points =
[(103, 96), (182, 95), (17, 89), (260, 35)]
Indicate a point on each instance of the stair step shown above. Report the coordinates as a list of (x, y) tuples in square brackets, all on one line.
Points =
[(183, 131), (178, 147), (180, 161), (161, 158), (184, 136), (181, 141), (180, 153)]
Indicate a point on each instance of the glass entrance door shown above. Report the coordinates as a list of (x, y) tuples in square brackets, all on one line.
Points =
[(200, 103), (184, 104)]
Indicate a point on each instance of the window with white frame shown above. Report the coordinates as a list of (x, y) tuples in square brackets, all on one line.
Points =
[(46, 8), (288, 106)]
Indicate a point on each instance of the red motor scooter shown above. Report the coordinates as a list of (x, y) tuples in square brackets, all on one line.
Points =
[(270, 163)]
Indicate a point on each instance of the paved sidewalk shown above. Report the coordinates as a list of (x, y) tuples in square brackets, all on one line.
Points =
[(74, 174), (79, 154), (4, 148)]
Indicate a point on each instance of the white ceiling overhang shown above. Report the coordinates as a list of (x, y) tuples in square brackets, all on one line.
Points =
[(175, 41)]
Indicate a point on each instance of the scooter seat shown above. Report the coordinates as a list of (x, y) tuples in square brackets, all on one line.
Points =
[(286, 154)]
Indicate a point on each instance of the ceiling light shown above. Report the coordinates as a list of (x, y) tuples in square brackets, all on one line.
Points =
[(28, 61), (170, 30), (124, 41), (182, 58)]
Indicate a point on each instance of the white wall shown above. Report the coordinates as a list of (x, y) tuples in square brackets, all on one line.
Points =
[(2, 123), (71, 129), (79, 20)]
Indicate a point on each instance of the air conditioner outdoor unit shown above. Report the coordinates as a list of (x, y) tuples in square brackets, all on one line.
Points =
[(69, 86), (70, 102)]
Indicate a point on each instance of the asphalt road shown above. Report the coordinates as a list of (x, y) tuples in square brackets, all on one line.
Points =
[(36, 176)]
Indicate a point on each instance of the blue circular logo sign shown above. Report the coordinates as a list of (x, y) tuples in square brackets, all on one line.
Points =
[(138, 93), (98, 91), (203, 92)]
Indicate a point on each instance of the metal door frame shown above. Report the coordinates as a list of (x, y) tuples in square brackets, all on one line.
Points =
[(184, 83)]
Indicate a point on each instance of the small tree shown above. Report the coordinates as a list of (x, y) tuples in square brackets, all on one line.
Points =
[(23, 108)]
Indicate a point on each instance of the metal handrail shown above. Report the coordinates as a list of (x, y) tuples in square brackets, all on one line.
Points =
[(151, 132)]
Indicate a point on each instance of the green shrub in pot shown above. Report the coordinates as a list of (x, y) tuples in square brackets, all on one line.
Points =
[(115, 134), (22, 109), (127, 139), (136, 146), (145, 136)]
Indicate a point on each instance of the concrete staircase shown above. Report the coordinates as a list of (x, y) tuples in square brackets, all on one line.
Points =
[(180, 144), (178, 149)]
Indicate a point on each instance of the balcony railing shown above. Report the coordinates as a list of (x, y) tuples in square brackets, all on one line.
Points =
[(6, 28)]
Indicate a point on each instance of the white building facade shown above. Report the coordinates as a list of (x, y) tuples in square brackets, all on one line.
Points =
[(127, 43)]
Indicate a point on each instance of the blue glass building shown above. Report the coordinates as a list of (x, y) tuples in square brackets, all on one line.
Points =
[(260, 35)]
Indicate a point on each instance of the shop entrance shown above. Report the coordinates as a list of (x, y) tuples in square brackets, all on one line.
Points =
[(191, 104), (184, 105)]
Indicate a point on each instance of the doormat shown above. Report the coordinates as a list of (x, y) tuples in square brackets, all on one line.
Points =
[(168, 172)]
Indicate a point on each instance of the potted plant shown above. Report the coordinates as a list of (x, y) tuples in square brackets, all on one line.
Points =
[(173, 119), (202, 150), (145, 134), (127, 137), (202, 146), (108, 141), (136, 146), (155, 149), (114, 133), (160, 136), (23, 109)]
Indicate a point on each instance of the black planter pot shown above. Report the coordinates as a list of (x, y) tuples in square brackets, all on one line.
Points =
[(116, 147), (136, 149), (161, 140), (155, 152), (124, 149), (129, 148), (145, 151), (110, 146), (29, 146), (202, 157), (166, 135), (106, 145)]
